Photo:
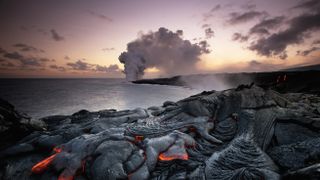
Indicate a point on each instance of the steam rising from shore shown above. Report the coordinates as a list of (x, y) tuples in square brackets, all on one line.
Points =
[(164, 50)]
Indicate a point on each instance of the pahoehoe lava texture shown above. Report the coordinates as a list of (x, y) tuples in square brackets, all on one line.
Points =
[(242, 133)]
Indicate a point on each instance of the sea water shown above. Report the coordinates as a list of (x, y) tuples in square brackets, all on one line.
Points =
[(44, 97)]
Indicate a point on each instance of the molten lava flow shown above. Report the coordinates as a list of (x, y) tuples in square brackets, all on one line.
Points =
[(138, 138), (44, 164), (63, 177), (164, 157), (192, 129), (57, 150)]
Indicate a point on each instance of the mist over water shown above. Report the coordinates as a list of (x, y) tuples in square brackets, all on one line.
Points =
[(44, 97)]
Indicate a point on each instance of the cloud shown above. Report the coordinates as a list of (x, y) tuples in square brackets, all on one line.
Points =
[(315, 42), (308, 51), (164, 50), (84, 66), (27, 61), (55, 36), (205, 25), (263, 27), (209, 33), (239, 37), (298, 30), (6, 65), (80, 65), (268, 40), (111, 68), (310, 5), (101, 16), (27, 48), (2, 51), (13, 55), (243, 17), (59, 68), (249, 6), (108, 49), (66, 57), (210, 14)]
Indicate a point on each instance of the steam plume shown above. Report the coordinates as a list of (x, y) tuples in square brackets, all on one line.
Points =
[(164, 50)]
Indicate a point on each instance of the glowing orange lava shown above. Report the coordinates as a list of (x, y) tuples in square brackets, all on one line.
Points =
[(164, 157), (44, 164), (138, 138), (63, 177)]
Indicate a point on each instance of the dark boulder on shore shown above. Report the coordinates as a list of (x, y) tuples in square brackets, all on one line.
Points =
[(243, 133), (15, 125)]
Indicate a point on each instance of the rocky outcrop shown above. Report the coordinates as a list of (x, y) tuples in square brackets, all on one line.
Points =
[(15, 125), (242, 133)]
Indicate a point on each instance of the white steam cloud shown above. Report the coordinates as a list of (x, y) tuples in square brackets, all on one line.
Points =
[(164, 50)]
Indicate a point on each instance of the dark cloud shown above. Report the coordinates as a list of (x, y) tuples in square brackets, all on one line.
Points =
[(216, 8), (66, 57), (179, 32), (249, 6), (209, 33), (28, 48), (7, 65), (24, 28), (238, 18), (111, 68), (101, 16), (308, 51), (80, 65), (298, 30), (315, 42), (263, 27), (239, 37), (283, 55), (210, 14), (84, 66), (59, 68), (27, 61), (269, 42), (13, 55), (162, 49), (2, 51), (108, 49), (204, 47), (310, 5), (55, 36), (46, 60), (205, 25)]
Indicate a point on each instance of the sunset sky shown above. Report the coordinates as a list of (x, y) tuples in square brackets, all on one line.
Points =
[(84, 38)]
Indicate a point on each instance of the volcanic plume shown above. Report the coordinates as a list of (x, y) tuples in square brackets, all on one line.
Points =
[(164, 50)]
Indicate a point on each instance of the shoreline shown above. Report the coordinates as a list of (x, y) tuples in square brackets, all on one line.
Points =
[(248, 124)]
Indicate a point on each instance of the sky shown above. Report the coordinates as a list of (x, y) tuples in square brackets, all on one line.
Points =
[(149, 38)]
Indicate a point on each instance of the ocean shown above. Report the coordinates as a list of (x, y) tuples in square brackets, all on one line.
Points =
[(44, 97)]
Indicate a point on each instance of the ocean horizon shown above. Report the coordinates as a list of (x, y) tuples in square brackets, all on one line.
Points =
[(40, 97)]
